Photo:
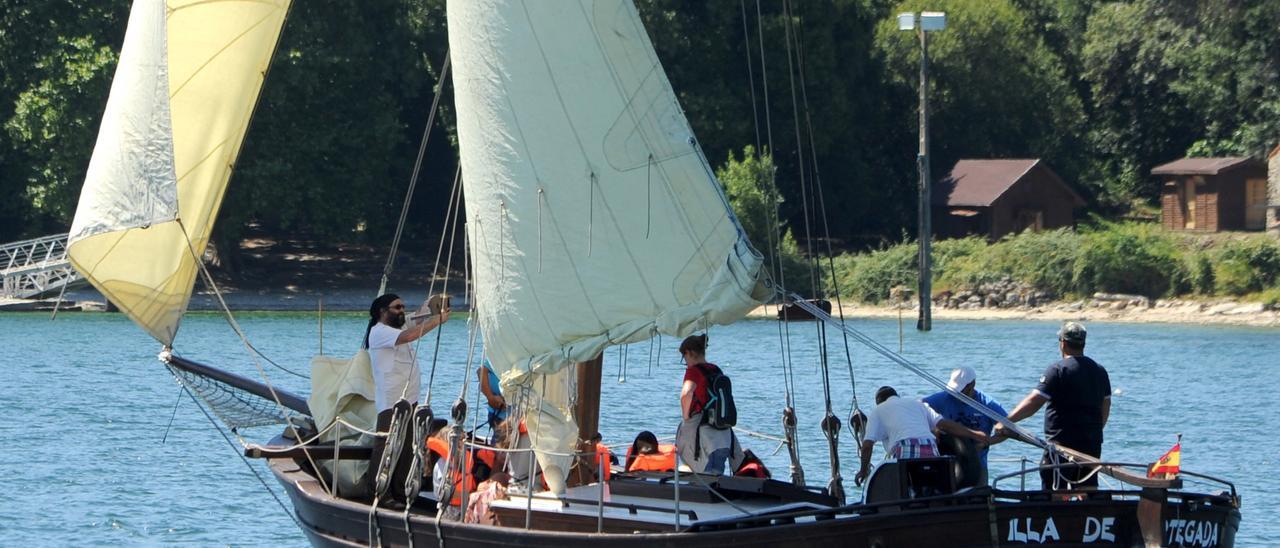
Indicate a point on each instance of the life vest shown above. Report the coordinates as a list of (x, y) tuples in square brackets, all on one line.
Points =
[(662, 461), (753, 469), (461, 482), (602, 455)]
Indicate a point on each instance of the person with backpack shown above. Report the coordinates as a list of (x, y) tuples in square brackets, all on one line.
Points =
[(705, 437)]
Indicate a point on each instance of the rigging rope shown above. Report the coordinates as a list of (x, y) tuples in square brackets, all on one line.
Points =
[(244, 339), (240, 453), (453, 209), (919, 371), (751, 79), (795, 109), (777, 268), (413, 179)]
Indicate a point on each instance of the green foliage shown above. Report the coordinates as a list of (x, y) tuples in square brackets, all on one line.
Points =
[(1195, 275), (868, 277), (1000, 91), (1134, 258), (753, 195), (1246, 266), (1183, 78), (65, 107), (1045, 260), (1126, 258), (1270, 298), (1101, 90)]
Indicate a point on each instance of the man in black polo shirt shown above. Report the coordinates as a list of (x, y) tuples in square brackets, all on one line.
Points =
[(1078, 392)]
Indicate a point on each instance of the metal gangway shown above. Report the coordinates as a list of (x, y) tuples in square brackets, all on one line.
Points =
[(32, 268)]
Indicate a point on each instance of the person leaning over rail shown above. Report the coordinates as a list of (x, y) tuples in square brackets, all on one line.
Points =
[(905, 427), (1078, 391), (395, 371), (965, 381)]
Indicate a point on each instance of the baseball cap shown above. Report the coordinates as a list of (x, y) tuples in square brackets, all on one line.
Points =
[(1072, 332), (961, 378)]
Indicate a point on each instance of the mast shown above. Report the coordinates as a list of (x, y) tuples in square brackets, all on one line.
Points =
[(586, 413)]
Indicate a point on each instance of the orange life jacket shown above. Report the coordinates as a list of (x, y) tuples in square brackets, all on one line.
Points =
[(461, 481), (662, 461), (602, 455), (753, 469)]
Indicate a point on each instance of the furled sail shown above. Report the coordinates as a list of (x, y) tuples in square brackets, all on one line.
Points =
[(185, 87), (592, 215)]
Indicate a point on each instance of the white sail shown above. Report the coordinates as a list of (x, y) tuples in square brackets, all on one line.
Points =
[(186, 84), (592, 215)]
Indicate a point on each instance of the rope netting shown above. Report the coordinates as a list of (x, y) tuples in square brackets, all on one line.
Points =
[(235, 407)]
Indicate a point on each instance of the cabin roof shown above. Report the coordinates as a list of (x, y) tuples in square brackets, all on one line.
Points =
[(979, 183), (1201, 166)]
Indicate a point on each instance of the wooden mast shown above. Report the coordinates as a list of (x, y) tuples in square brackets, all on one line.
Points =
[(586, 413)]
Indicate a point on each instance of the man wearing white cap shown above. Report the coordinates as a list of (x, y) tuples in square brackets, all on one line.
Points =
[(964, 380), (906, 427)]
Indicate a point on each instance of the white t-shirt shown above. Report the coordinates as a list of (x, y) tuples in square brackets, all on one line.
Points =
[(898, 419), (394, 367)]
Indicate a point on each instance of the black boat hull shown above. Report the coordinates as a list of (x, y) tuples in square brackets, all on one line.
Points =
[(978, 519)]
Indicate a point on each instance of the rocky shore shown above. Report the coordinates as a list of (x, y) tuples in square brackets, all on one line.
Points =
[(1100, 307)]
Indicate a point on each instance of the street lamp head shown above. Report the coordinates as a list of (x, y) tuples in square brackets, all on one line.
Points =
[(906, 21), (931, 20)]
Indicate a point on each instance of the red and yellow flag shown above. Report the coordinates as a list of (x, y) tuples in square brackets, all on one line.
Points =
[(1168, 464)]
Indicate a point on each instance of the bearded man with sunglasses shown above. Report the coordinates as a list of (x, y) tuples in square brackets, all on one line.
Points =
[(396, 375)]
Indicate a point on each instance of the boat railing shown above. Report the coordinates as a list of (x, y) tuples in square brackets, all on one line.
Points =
[(1113, 469), (599, 502)]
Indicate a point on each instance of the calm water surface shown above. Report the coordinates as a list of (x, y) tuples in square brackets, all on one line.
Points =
[(84, 408)]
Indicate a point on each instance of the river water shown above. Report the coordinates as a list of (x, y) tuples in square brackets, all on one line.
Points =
[(90, 456)]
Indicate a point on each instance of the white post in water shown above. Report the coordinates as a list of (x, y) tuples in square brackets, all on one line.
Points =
[(923, 23)]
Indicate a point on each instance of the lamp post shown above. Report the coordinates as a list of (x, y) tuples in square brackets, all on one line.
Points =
[(923, 23)]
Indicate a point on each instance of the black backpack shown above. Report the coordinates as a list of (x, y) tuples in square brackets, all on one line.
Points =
[(719, 412)]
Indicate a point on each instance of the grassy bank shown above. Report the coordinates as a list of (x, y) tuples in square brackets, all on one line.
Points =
[(1132, 258)]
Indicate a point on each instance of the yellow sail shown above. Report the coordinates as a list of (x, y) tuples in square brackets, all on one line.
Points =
[(189, 75)]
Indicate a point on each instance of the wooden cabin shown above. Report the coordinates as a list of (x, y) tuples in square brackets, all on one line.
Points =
[(993, 198), (1213, 194)]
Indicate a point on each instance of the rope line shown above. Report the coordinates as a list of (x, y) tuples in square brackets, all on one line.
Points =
[(417, 168), (243, 458), (919, 371), (244, 339)]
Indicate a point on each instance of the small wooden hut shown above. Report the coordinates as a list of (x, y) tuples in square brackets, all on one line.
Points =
[(993, 198), (1213, 194)]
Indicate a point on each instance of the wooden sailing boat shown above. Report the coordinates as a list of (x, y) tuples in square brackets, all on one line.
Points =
[(593, 220)]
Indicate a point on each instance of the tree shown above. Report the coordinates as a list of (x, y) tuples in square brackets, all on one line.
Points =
[(56, 62), (335, 134), (753, 194), (999, 90)]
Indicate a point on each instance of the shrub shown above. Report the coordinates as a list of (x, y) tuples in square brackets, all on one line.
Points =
[(1126, 258), (752, 190), (1044, 260), (1271, 298), (1246, 266), (869, 277), (1194, 274)]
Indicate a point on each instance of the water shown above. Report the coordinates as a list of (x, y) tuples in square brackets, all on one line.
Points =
[(85, 405)]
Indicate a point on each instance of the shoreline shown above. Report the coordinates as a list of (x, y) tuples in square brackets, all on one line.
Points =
[(1171, 311)]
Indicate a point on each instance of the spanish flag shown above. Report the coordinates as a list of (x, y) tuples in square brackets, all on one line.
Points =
[(1168, 464)]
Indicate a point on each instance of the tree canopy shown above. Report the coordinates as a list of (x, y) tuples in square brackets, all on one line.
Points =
[(826, 90)]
